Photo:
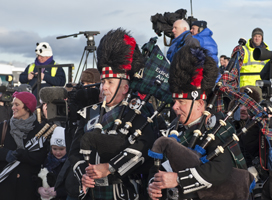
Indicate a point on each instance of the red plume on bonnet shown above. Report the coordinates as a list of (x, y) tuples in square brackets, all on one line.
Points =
[(130, 41), (198, 78), (192, 74)]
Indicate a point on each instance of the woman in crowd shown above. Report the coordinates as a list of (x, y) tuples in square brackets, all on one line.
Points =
[(22, 127)]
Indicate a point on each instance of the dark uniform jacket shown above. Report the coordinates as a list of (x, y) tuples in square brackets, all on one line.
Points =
[(212, 173), (131, 161), (19, 184)]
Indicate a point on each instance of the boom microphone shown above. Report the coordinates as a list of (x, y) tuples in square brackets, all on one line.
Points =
[(49, 94)]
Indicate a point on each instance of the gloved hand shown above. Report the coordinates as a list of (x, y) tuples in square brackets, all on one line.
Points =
[(20, 152), (44, 192), (11, 156)]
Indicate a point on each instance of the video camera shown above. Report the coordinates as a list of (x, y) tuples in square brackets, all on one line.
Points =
[(75, 92), (164, 23), (55, 98), (266, 73), (61, 103), (7, 91)]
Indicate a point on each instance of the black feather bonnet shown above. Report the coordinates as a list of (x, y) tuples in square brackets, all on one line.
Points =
[(192, 73), (118, 55)]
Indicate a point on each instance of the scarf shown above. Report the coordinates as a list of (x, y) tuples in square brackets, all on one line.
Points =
[(49, 60), (52, 163), (262, 45), (19, 129)]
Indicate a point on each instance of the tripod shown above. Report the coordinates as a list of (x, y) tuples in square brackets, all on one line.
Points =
[(90, 48)]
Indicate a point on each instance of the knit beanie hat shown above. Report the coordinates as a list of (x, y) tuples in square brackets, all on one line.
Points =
[(90, 75), (58, 137), (202, 24), (44, 49), (257, 31), (28, 99)]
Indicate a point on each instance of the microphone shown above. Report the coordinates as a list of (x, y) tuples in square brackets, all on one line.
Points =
[(49, 94)]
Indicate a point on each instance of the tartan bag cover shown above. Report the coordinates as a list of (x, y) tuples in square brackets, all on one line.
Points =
[(156, 68)]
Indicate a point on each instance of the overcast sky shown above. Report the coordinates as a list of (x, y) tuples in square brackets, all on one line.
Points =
[(24, 23)]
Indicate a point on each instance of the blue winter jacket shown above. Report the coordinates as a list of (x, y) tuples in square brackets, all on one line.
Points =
[(183, 39), (206, 41)]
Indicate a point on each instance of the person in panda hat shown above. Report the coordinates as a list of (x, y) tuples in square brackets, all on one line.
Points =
[(53, 76), (52, 166)]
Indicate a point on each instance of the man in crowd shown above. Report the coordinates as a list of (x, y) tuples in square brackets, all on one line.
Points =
[(203, 34), (226, 61), (192, 76), (222, 57), (222, 64), (250, 71), (119, 175), (181, 31), (249, 142), (53, 76)]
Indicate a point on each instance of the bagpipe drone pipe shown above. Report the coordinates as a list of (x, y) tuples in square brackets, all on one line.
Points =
[(231, 73), (151, 80), (36, 143), (181, 157)]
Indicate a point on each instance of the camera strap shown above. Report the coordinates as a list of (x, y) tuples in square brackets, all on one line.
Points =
[(4, 131), (262, 151)]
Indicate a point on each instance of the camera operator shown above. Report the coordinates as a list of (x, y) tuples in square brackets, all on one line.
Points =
[(54, 76), (79, 97), (83, 94), (250, 71), (183, 36), (203, 34)]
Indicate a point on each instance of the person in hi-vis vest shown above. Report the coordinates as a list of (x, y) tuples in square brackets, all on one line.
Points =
[(54, 76), (250, 71)]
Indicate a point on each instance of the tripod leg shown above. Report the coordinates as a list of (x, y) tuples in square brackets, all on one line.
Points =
[(87, 53)]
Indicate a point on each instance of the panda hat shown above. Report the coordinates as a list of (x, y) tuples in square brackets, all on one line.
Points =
[(43, 49)]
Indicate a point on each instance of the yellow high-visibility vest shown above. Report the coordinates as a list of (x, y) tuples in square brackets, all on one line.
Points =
[(53, 69), (250, 71)]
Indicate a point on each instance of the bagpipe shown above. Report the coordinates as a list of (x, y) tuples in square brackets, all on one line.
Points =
[(240, 182), (33, 144), (231, 74), (151, 80)]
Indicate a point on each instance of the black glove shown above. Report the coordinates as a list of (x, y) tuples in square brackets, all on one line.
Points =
[(20, 153), (11, 156)]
